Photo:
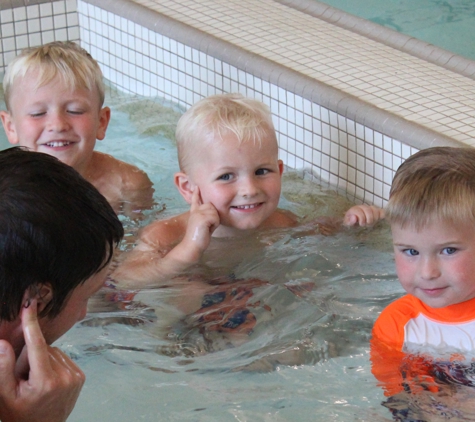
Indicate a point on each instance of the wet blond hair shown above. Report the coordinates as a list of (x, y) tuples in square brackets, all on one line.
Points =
[(436, 184), (213, 117), (66, 59)]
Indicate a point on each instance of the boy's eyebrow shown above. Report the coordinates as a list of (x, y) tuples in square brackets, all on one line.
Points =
[(450, 242), (232, 167), (401, 244)]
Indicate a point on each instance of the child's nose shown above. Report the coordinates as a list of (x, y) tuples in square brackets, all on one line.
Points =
[(248, 187), (57, 122), (429, 268)]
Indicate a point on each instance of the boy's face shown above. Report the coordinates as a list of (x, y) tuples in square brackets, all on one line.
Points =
[(55, 120), (242, 181), (437, 263), (74, 309)]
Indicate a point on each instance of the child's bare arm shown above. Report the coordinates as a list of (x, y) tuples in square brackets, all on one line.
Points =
[(363, 215), (155, 260)]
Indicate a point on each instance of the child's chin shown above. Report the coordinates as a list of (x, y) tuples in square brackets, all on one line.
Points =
[(248, 226), (240, 228)]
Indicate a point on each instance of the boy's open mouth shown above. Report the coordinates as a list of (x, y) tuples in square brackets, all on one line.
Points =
[(57, 144), (247, 207)]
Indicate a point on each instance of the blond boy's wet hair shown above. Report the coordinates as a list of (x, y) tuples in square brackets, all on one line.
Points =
[(217, 116), (67, 60), (434, 185)]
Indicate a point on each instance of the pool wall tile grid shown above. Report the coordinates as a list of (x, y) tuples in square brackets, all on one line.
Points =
[(335, 149), (338, 149), (363, 68), (35, 24)]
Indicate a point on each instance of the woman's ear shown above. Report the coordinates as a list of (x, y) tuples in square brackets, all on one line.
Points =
[(43, 293), (281, 166), (184, 186)]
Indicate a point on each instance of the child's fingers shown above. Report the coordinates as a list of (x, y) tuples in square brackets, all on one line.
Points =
[(350, 220), (372, 214), (215, 221), (196, 199), (364, 215), (355, 215)]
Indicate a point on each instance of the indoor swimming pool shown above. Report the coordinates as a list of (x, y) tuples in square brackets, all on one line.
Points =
[(449, 24), (348, 110), (315, 298)]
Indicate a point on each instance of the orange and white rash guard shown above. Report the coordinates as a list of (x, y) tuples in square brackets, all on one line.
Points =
[(409, 322), (407, 325)]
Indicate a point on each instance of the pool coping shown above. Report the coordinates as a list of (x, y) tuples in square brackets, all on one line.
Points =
[(354, 108), (415, 47)]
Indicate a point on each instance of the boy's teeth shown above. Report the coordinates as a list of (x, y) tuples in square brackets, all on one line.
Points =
[(246, 207), (57, 144)]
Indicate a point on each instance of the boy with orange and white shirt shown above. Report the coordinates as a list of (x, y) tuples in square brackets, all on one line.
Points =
[(431, 211)]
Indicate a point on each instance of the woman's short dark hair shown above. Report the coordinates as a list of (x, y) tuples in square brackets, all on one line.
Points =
[(55, 227)]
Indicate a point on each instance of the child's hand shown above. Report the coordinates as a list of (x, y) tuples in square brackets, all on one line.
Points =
[(203, 221), (363, 215), (43, 384)]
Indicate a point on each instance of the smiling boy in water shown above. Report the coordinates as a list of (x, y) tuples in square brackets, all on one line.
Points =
[(231, 176), (54, 96), (431, 211)]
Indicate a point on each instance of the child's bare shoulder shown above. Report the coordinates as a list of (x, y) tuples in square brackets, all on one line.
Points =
[(124, 185), (131, 177), (282, 219), (161, 234)]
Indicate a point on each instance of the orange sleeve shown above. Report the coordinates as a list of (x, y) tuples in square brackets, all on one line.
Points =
[(394, 369), (389, 327)]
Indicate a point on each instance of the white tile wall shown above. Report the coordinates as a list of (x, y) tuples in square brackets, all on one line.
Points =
[(334, 148), (28, 26)]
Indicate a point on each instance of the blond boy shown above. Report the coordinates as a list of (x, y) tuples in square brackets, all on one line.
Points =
[(54, 96), (431, 211), (231, 176)]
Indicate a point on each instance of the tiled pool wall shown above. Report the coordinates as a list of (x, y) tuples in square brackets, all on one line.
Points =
[(334, 137), (25, 23)]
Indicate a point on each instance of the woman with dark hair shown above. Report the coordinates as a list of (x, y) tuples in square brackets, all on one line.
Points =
[(57, 237)]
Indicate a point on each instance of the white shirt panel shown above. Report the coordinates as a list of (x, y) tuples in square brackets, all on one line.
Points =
[(426, 332)]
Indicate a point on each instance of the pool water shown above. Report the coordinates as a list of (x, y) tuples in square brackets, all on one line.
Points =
[(314, 297), (449, 24)]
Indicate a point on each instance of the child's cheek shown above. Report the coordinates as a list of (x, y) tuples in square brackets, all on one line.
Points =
[(405, 272)]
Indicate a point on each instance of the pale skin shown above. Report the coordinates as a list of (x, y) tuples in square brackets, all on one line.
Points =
[(233, 189), (64, 122), (40, 383), (436, 263)]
